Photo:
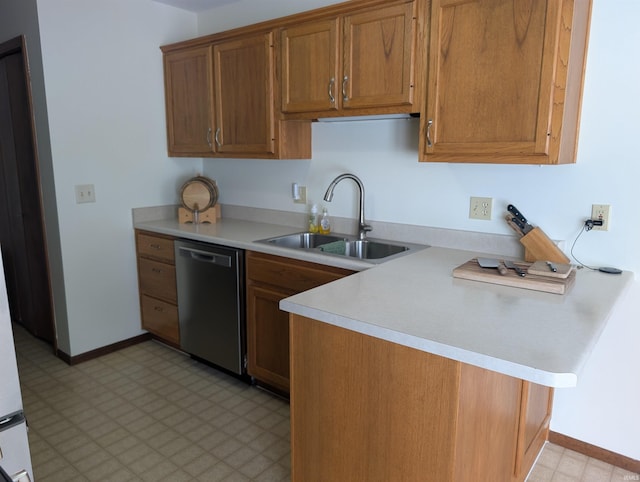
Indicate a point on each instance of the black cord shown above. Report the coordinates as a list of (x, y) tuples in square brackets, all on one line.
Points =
[(585, 227)]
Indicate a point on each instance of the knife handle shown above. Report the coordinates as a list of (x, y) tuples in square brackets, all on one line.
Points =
[(513, 225), (514, 210)]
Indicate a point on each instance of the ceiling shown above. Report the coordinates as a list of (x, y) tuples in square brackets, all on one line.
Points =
[(196, 5)]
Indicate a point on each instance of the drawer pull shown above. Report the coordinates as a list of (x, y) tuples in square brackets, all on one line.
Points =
[(156, 270), (154, 246), (158, 308)]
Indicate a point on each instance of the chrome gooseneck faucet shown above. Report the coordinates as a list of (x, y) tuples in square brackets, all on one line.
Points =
[(328, 196)]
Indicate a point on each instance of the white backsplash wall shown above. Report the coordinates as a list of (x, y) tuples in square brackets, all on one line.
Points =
[(557, 198)]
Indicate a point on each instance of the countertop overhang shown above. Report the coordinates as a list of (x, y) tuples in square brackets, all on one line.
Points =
[(414, 301)]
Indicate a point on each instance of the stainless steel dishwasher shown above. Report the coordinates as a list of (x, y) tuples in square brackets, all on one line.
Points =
[(210, 283)]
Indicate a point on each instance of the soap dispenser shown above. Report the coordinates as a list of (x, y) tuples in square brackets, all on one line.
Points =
[(325, 223), (313, 219)]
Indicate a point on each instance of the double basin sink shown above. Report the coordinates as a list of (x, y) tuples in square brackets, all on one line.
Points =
[(343, 245)]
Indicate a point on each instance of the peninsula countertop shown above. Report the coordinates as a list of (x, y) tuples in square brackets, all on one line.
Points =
[(414, 301)]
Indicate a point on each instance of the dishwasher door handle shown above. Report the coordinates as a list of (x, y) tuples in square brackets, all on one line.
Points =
[(207, 257)]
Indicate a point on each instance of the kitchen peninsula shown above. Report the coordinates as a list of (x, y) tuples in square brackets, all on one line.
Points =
[(404, 373)]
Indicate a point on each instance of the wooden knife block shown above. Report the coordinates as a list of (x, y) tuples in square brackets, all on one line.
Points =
[(538, 247), (210, 215)]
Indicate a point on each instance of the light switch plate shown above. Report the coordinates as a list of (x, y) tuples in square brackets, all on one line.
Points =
[(85, 193)]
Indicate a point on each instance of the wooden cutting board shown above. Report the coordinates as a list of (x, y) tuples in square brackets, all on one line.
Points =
[(472, 271)]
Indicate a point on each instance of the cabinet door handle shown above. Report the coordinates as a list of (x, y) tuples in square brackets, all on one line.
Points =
[(209, 137), (332, 82), (429, 124), (217, 138), (345, 97)]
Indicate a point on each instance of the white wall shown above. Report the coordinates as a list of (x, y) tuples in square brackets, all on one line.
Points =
[(603, 409), (105, 95)]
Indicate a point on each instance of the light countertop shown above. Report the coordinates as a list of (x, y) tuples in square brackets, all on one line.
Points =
[(414, 301)]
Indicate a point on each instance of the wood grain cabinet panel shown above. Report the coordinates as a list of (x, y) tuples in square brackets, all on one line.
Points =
[(157, 286), (504, 81), (363, 408), (220, 99), (244, 76), (269, 279), (189, 102), (310, 66), (378, 58), (160, 318), (362, 62)]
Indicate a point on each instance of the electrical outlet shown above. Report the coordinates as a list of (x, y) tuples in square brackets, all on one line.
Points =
[(85, 193), (480, 208), (601, 212), (300, 195)]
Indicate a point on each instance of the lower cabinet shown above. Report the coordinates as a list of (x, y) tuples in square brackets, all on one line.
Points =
[(157, 286), (269, 279), (363, 408)]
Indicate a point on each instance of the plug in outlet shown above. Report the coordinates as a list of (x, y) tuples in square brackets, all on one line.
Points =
[(480, 208), (601, 212)]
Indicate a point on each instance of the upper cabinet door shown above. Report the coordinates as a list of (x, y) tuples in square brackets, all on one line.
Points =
[(378, 58), (310, 67), (498, 80), (244, 76), (189, 102)]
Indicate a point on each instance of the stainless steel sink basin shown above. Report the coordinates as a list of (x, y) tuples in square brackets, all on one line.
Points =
[(368, 249), (373, 250), (304, 240)]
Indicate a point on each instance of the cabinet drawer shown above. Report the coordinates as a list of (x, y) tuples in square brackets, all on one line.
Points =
[(155, 247), (160, 318), (290, 274), (157, 279)]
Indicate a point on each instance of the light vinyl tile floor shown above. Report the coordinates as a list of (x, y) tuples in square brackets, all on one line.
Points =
[(150, 413)]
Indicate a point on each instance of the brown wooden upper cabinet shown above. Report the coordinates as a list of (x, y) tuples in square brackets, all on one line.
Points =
[(189, 101), (220, 102), (244, 76), (504, 81), (360, 62)]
